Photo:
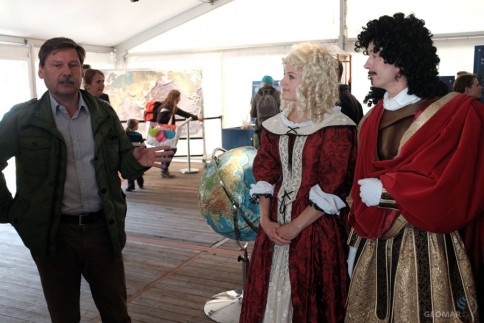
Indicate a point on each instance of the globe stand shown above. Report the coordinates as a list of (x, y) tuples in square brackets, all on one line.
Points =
[(225, 307)]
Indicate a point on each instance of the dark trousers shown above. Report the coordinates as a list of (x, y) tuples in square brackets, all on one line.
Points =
[(84, 250), (167, 164), (140, 180)]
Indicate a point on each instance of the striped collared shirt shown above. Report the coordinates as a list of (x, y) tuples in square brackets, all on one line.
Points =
[(81, 193)]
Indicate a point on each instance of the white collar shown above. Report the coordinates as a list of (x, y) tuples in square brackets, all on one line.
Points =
[(399, 101), (279, 124)]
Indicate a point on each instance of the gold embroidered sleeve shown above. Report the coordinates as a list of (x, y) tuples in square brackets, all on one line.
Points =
[(353, 239), (387, 201)]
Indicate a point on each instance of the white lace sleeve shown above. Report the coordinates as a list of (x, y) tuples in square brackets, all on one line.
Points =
[(329, 203), (261, 188)]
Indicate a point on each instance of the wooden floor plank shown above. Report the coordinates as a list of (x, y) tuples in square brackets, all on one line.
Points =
[(174, 261)]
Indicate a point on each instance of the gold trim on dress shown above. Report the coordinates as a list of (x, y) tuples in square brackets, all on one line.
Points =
[(432, 280), (398, 224), (405, 295), (424, 117)]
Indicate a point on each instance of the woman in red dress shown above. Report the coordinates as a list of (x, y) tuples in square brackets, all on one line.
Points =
[(304, 169)]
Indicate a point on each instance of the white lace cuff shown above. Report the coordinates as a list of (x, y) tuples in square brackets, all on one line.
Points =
[(329, 203), (261, 188)]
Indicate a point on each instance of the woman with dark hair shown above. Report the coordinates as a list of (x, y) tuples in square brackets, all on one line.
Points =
[(410, 263), (166, 115), (468, 84)]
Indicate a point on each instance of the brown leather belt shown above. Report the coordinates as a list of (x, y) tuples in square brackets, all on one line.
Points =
[(82, 219)]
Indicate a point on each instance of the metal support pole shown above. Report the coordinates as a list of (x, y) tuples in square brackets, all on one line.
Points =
[(189, 170)]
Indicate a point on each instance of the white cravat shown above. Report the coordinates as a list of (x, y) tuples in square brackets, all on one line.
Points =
[(401, 100)]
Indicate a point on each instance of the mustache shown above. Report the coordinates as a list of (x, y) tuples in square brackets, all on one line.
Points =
[(67, 80), (370, 74)]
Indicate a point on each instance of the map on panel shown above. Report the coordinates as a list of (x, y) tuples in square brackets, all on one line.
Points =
[(129, 91)]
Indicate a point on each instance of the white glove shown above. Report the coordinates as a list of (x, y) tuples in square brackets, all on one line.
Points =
[(329, 203), (370, 191)]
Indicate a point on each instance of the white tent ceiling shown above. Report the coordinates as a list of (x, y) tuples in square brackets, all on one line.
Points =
[(98, 23), (168, 25)]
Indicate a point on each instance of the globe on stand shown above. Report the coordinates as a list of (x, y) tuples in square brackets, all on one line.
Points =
[(225, 204)]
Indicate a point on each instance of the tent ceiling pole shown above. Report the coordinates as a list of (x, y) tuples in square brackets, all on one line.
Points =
[(32, 77), (342, 24), (38, 42), (161, 28)]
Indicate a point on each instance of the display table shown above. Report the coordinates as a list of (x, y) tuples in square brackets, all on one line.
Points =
[(236, 137)]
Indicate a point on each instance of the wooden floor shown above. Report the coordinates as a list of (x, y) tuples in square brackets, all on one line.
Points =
[(174, 261)]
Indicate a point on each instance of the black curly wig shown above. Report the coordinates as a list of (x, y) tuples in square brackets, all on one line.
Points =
[(374, 96), (406, 43)]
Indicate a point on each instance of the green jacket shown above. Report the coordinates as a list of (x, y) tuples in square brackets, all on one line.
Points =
[(28, 132)]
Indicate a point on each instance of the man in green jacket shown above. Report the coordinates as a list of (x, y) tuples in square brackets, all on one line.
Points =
[(69, 208)]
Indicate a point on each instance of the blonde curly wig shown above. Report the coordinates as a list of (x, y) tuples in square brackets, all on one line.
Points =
[(318, 91)]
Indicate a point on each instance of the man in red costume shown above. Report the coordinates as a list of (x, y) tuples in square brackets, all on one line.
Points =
[(419, 179)]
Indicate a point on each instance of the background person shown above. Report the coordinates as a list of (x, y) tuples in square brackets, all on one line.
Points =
[(69, 209), (166, 115), (468, 84), (137, 139), (411, 263), (94, 83), (304, 169), (267, 87), (347, 101)]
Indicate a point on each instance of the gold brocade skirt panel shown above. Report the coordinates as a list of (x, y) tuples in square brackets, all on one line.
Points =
[(416, 276)]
